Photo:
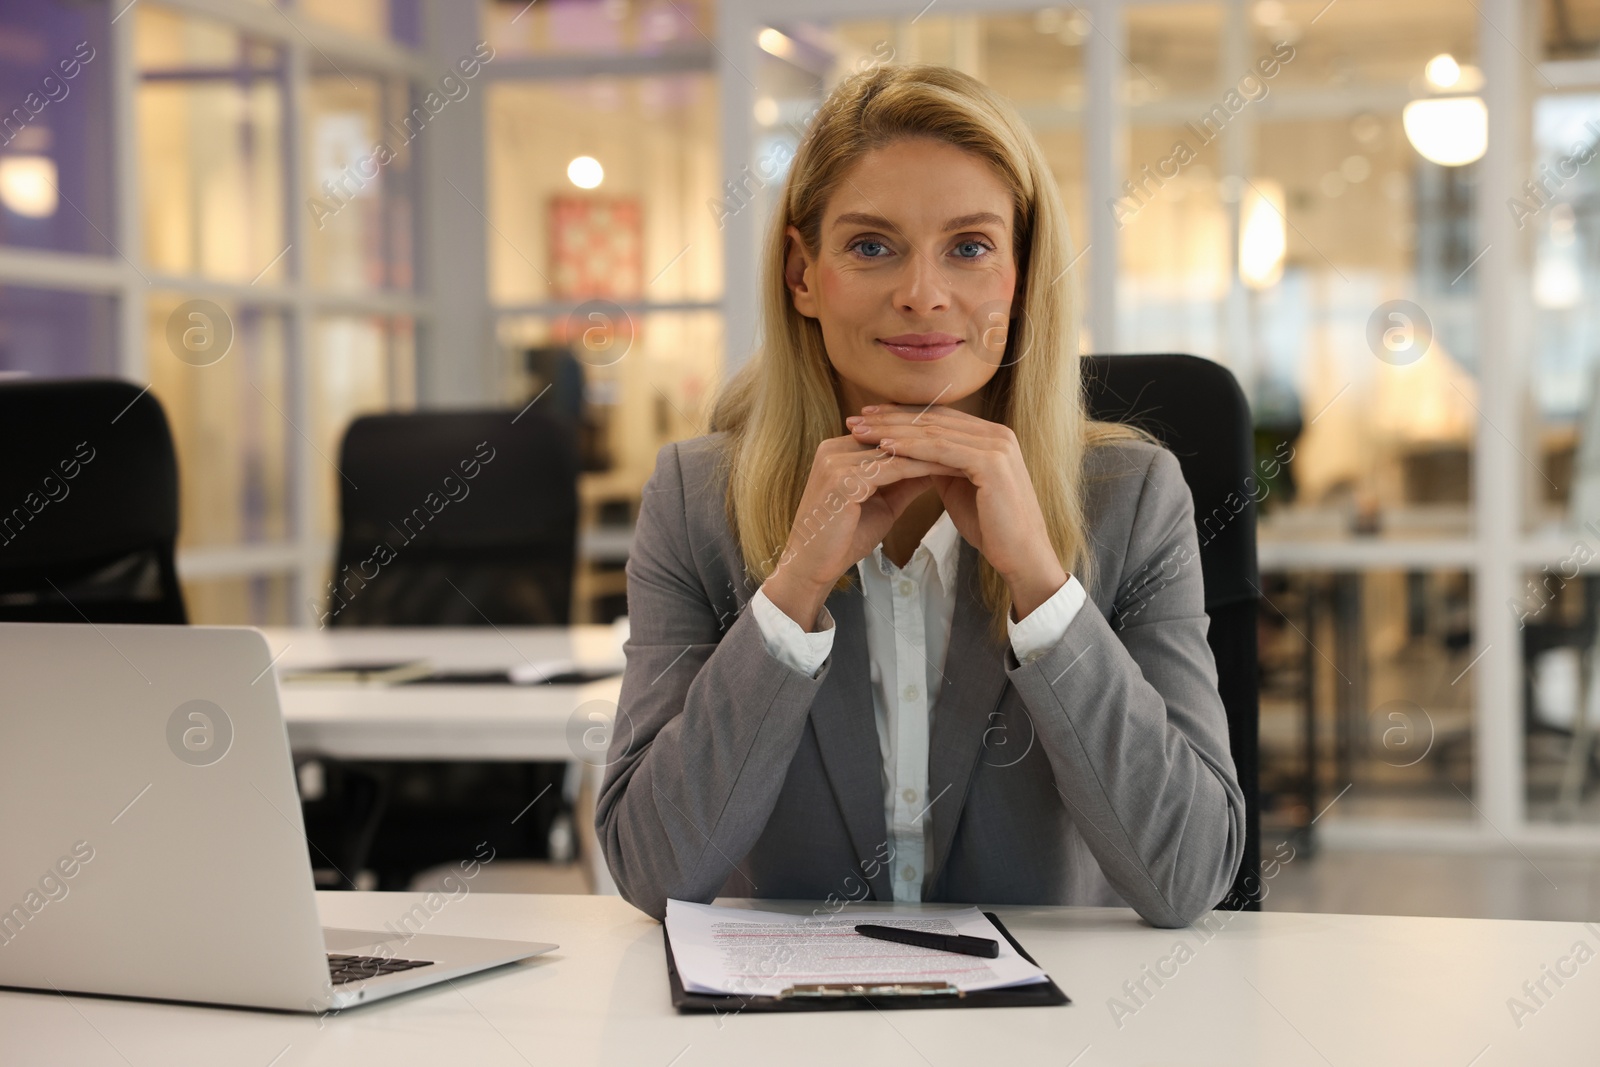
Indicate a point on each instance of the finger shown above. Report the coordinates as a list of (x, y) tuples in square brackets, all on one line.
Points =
[(968, 457), (886, 468), (854, 454), (847, 443), (907, 432), (860, 475), (924, 410), (877, 429), (931, 417), (909, 412)]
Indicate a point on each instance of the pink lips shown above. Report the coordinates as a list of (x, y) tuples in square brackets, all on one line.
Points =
[(921, 346)]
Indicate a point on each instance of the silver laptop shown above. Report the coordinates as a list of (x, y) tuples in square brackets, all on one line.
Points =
[(151, 843)]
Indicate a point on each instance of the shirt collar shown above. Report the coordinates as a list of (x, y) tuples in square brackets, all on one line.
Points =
[(943, 542)]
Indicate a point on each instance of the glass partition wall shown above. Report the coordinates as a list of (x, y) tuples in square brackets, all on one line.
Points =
[(1553, 212), (1380, 217), (605, 268), (207, 170), (1309, 194)]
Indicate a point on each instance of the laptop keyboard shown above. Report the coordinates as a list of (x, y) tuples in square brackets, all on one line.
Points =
[(356, 968)]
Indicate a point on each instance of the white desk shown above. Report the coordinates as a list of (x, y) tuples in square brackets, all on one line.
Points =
[(418, 722), (1279, 989), (455, 722)]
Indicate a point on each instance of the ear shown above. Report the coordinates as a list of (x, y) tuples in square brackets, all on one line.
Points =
[(798, 274)]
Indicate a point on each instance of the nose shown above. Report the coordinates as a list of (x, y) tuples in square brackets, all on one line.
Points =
[(922, 289)]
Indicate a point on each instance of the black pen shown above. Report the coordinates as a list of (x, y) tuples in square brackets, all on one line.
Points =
[(967, 946)]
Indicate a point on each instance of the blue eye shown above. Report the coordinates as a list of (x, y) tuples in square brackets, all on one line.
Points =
[(971, 249), (866, 247)]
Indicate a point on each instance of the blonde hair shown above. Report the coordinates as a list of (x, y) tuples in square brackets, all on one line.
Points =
[(784, 402)]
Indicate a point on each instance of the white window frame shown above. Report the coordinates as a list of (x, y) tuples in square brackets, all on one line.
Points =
[(305, 555)]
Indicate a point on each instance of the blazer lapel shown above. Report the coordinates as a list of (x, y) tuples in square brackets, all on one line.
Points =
[(847, 733), (974, 681)]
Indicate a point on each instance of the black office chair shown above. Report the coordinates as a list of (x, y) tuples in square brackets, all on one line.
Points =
[(89, 484), (502, 554), (456, 518), (1546, 627), (1196, 408)]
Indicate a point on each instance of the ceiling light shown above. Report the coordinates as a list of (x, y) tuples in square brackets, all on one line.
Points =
[(585, 172), (28, 185), (1450, 131), (1442, 71), (776, 43)]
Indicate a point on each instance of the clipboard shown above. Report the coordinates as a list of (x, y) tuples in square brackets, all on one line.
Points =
[(1037, 995)]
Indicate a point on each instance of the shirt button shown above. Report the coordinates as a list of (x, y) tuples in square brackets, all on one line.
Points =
[(906, 588), (908, 872), (910, 692), (910, 795)]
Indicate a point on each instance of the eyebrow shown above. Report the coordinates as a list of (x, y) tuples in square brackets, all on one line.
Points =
[(978, 218)]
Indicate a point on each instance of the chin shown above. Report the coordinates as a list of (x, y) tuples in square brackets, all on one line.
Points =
[(929, 387), (929, 397)]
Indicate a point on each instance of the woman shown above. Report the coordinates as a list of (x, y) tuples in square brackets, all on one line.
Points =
[(1016, 702)]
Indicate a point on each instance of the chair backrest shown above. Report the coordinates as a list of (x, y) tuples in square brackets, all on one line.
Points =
[(1196, 408), (456, 518), (88, 504)]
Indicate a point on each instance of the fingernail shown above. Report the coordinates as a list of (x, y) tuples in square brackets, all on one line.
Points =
[(863, 428), (852, 420), (886, 441), (869, 409)]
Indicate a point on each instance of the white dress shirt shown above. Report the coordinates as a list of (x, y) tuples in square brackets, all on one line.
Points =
[(908, 615)]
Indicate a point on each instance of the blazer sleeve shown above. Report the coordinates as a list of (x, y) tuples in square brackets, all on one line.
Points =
[(1128, 713), (708, 723)]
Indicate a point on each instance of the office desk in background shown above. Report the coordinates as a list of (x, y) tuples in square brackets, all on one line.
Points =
[(454, 722), (1266, 988)]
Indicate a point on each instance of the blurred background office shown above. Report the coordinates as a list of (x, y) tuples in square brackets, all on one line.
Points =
[(1383, 218)]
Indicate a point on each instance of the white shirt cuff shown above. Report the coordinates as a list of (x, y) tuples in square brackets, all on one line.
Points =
[(788, 643), (1046, 624)]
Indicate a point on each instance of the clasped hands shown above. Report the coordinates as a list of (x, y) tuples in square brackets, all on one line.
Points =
[(990, 497)]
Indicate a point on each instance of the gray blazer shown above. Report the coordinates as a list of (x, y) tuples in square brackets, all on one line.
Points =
[(1099, 773)]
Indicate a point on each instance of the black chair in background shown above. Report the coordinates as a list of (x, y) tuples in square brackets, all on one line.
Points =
[(501, 554), (88, 504), (1546, 627), (1197, 410), (453, 518)]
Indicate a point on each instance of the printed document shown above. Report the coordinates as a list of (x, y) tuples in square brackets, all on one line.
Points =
[(762, 953)]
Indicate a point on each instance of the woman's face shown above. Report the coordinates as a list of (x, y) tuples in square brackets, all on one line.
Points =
[(913, 280)]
